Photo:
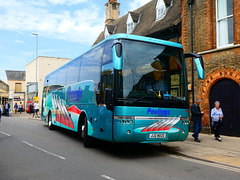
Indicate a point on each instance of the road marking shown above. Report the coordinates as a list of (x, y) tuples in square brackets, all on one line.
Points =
[(43, 150), (107, 177), (5, 133), (212, 164)]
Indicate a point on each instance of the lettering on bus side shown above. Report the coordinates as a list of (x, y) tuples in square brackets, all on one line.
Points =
[(75, 95), (158, 112)]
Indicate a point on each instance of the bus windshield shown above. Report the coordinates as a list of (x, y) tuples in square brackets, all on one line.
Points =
[(151, 75)]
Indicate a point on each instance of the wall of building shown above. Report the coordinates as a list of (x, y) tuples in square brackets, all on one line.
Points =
[(14, 99), (45, 65), (220, 63)]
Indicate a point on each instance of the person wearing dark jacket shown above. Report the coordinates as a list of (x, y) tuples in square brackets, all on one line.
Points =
[(197, 119)]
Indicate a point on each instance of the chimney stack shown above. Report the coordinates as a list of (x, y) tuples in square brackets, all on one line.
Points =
[(112, 11)]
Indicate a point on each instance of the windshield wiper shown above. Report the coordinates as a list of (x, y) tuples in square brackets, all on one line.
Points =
[(142, 98)]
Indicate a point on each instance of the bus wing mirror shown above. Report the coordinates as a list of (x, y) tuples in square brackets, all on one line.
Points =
[(109, 98), (200, 67), (117, 54), (199, 63)]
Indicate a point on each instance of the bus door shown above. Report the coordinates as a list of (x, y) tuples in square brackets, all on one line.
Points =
[(105, 115)]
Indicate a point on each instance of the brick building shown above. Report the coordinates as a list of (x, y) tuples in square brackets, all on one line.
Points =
[(216, 36)]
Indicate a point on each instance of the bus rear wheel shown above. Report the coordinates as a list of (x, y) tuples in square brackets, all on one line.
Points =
[(50, 125), (87, 140)]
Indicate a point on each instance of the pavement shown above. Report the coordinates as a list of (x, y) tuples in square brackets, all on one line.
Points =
[(226, 152), (24, 115)]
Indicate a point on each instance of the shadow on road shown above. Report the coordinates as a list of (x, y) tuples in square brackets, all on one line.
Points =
[(123, 150)]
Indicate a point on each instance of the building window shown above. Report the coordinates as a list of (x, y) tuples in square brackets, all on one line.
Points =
[(161, 12), (224, 22), (18, 87), (130, 27), (160, 9)]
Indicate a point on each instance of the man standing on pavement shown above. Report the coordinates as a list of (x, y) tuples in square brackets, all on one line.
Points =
[(197, 119), (7, 107)]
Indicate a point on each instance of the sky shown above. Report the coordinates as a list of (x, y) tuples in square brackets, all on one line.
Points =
[(65, 28)]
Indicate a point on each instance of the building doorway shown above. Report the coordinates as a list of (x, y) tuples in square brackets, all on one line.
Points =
[(228, 93)]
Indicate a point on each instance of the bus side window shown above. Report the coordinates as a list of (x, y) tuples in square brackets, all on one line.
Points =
[(106, 80)]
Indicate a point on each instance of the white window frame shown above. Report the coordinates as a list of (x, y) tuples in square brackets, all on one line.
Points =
[(130, 27), (106, 33), (217, 28), (130, 24), (160, 10)]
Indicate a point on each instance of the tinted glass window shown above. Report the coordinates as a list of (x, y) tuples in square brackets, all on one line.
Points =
[(106, 73), (91, 65), (151, 75), (107, 54), (62, 72), (53, 78), (73, 71), (106, 81)]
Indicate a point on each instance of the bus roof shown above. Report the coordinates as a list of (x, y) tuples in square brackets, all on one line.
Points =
[(130, 37), (141, 38)]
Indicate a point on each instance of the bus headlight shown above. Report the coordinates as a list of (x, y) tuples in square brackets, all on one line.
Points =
[(128, 132), (122, 121)]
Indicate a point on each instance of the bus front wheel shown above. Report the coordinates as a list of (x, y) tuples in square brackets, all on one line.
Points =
[(87, 140)]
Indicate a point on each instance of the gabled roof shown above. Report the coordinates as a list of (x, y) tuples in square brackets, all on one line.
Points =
[(167, 2), (148, 24), (16, 75), (135, 16), (110, 28)]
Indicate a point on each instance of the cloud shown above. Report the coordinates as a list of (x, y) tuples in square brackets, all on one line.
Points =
[(136, 4), (68, 2), (82, 25), (19, 41)]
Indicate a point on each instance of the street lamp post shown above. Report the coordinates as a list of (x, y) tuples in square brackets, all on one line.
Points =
[(35, 34), (190, 3)]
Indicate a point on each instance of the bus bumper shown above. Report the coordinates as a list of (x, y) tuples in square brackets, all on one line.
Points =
[(127, 134)]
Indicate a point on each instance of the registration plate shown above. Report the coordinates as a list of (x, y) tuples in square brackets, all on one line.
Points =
[(161, 135)]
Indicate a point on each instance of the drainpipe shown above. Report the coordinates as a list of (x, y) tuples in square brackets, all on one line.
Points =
[(190, 3)]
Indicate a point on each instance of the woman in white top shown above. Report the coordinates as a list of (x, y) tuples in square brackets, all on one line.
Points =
[(217, 115), (36, 108)]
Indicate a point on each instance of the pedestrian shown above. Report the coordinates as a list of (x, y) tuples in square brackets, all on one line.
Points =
[(217, 115), (7, 107), (15, 108), (20, 107), (197, 119), (36, 108), (1, 111)]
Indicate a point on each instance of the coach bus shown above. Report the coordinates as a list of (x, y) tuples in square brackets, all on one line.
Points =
[(127, 88)]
